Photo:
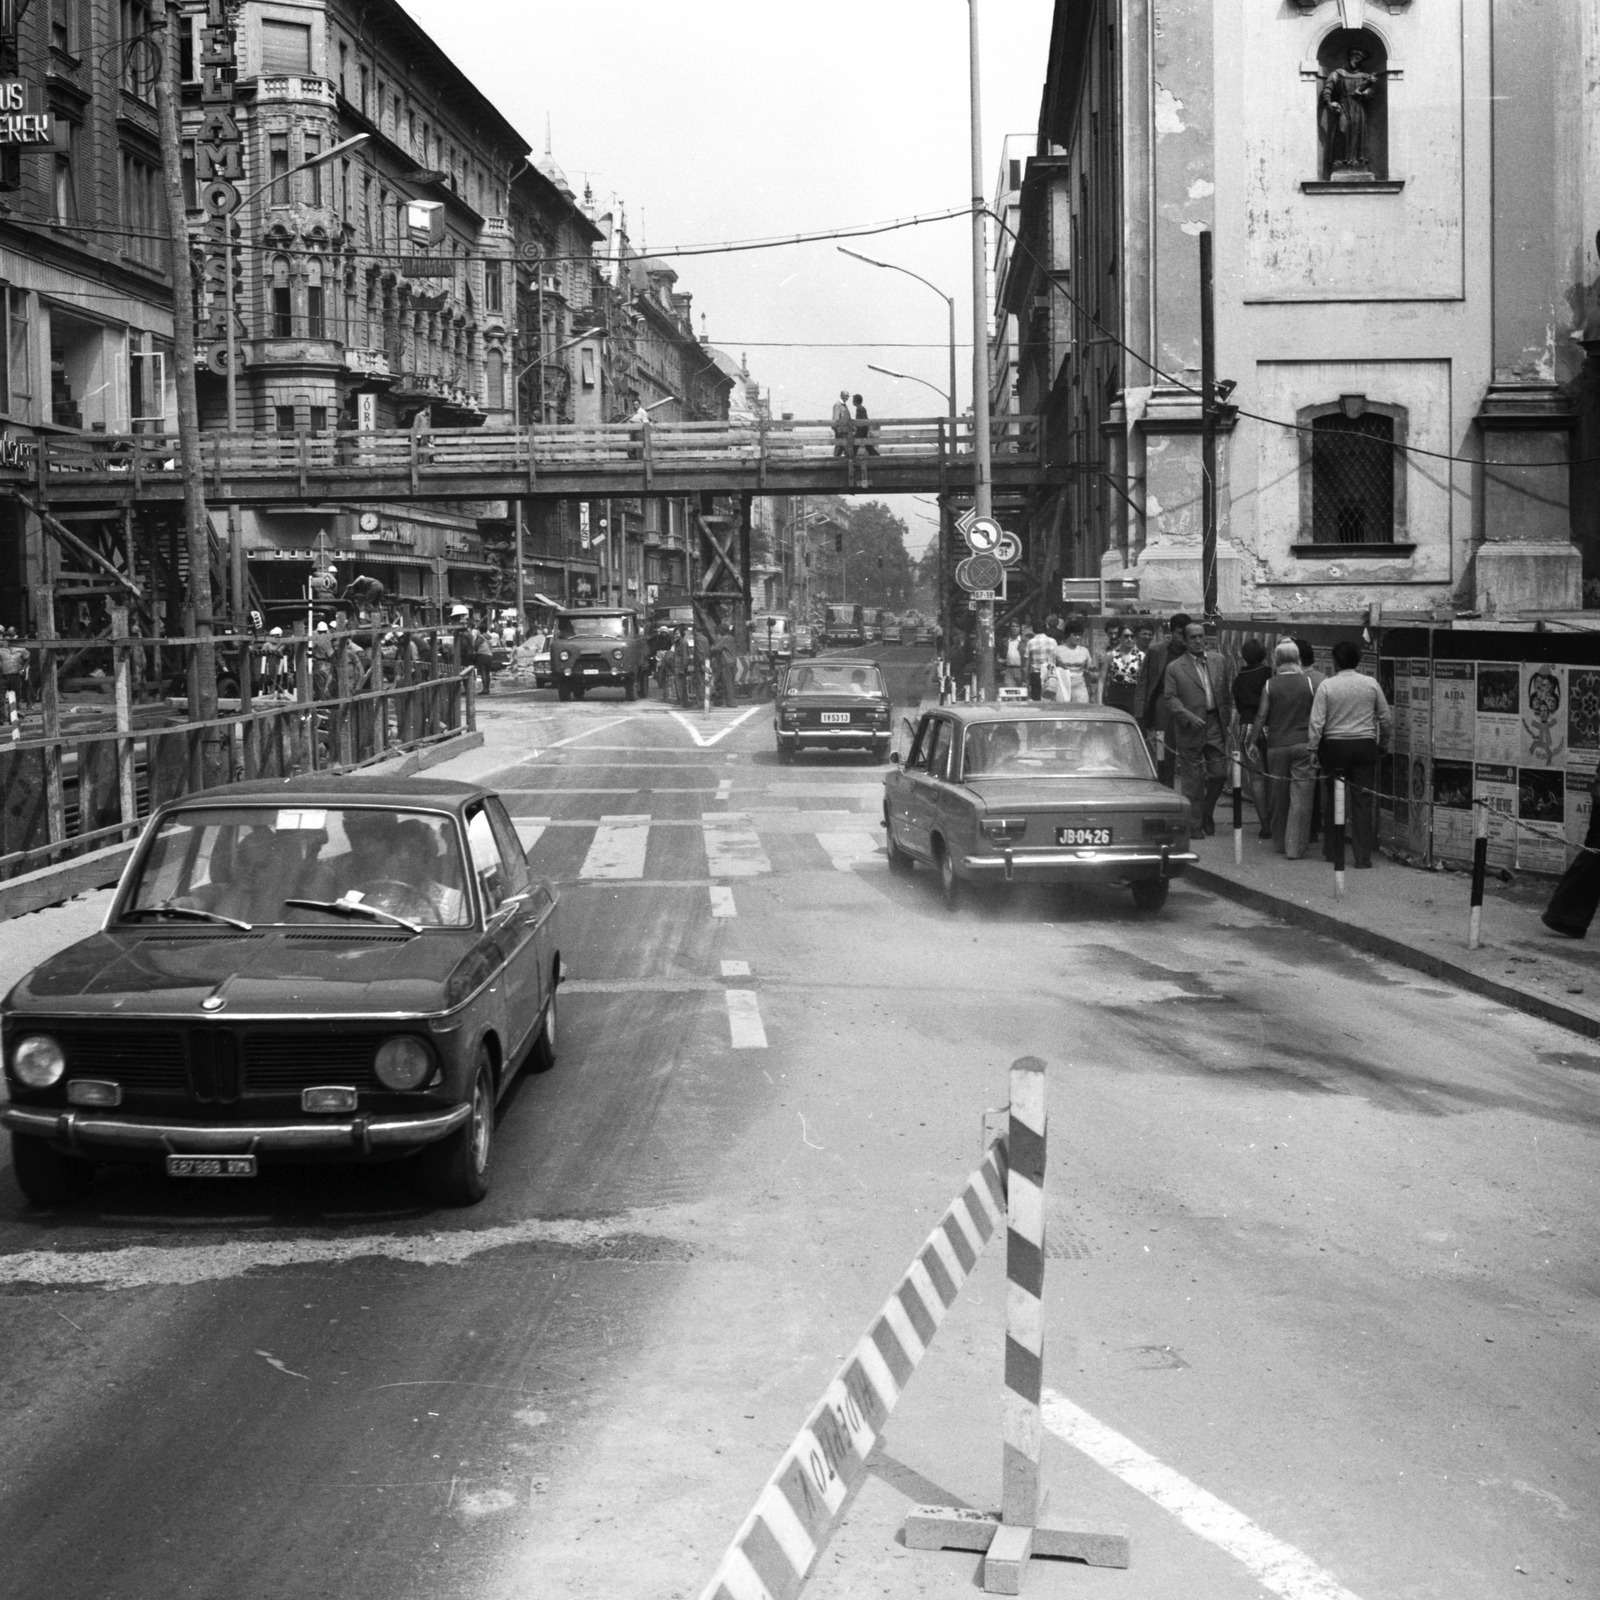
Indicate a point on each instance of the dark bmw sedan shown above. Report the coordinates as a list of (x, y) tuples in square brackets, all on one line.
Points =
[(347, 970), (840, 703)]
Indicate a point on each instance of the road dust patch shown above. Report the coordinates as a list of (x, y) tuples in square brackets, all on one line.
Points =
[(620, 1238), (472, 1504)]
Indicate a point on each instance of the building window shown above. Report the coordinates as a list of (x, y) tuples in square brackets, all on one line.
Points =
[(285, 46), (316, 326), (142, 210), (147, 390), (139, 60), (16, 357), (344, 190), (66, 184), (1353, 107), (365, 80), (312, 148), (282, 299), (495, 374), (1356, 472), (278, 168), (319, 419), (283, 418), (64, 26), (493, 292), (344, 67)]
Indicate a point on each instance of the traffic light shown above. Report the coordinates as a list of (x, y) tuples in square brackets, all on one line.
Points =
[(838, 544)]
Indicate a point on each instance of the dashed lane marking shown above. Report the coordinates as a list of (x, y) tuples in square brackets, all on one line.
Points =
[(618, 849), (640, 986), (142, 1266), (733, 847), (853, 849), (725, 791), (588, 733), (720, 734), (530, 830), (1275, 1565), (735, 969), (722, 901), (745, 1031)]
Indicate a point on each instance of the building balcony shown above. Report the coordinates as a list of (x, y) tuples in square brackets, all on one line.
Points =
[(369, 363), (317, 90), (293, 352), (497, 228)]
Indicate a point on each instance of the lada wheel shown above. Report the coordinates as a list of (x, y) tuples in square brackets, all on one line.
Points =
[(45, 1176), (1151, 894), (544, 1047), (455, 1171), (950, 886)]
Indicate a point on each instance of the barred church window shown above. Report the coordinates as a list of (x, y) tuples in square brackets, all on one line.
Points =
[(1352, 479)]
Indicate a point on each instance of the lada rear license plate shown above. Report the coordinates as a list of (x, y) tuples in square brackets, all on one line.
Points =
[(835, 716), (1083, 836), (211, 1166)]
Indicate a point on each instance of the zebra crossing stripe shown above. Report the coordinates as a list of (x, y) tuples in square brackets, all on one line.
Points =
[(618, 848), (777, 1544)]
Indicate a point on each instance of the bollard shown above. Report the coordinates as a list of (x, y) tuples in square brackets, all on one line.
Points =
[(1238, 813), (1338, 838), (1480, 864), (11, 715), (1021, 1531)]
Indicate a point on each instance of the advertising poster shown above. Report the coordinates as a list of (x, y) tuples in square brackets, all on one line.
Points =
[(1452, 810), (1583, 718), (1454, 710), (1498, 733), (1495, 786), (1419, 824), (1544, 715), (1542, 815), (1419, 705), (1398, 688), (1578, 805)]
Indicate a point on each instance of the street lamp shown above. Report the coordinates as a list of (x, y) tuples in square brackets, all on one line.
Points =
[(950, 307), (339, 149), (910, 377)]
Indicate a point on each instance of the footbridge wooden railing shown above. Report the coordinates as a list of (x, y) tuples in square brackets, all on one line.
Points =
[(782, 457)]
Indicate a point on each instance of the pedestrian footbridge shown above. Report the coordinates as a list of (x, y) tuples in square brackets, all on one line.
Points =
[(921, 455)]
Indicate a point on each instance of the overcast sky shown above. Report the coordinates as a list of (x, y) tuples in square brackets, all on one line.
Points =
[(721, 120)]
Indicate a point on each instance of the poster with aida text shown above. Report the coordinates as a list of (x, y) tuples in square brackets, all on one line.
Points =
[(1454, 710), (1497, 732), (1579, 805)]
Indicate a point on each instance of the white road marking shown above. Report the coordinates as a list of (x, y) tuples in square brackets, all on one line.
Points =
[(530, 830), (272, 1361), (735, 969), (1275, 1565), (722, 901), (744, 1020), (588, 733), (724, 791), (733, 847), (722, 733), (141, 1266), (618, 850), (850, 850)]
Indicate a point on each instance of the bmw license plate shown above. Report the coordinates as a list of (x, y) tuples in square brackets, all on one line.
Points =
[(835, 716), (211, 1166), (591, 672), (1083, 836)]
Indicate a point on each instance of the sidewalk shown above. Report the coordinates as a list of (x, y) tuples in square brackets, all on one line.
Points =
[(1418, 919)]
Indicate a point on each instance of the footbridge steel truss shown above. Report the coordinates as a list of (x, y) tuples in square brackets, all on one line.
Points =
[(927, 455)]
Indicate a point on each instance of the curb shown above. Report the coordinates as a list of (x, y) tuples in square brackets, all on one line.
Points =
[(408, 766), (1397, 951)]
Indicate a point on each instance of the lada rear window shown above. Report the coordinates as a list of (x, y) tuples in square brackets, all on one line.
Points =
[(245, 863), (822, 677), (591, 627), (1076, 747)]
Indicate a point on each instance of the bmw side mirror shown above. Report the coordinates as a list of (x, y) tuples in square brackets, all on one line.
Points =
[(894, 756)]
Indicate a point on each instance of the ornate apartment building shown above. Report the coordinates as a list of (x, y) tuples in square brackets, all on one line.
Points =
[(1403, 196)]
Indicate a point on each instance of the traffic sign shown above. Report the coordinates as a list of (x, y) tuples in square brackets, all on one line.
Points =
[(980, 572), (965, 520), (1009, 550), (984, 534)]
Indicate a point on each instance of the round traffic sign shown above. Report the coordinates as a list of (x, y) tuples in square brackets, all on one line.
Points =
[(979, 572), (983, 535), (1008, 552)]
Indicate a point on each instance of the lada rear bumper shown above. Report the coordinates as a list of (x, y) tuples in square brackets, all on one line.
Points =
[(88, 1133), (1060, 865)]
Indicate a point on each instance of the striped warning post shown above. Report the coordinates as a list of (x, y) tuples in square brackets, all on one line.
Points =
[(778, 1542)]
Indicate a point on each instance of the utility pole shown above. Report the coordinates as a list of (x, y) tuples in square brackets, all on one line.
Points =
[(1208, 431), (198, 622), (983, 496)]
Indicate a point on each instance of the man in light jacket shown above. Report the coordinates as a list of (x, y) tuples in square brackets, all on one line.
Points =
[(1197, 693), (1350, 723)]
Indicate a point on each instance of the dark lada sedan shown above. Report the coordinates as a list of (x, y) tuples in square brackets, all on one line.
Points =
[(998, 793), (321, 970), (838, 704)]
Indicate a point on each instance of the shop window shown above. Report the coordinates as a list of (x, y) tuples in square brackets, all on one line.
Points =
[(285, 47), (278, 168), (147, 390), (1353, 472), (16, 352), (80, 384), (282, 299)]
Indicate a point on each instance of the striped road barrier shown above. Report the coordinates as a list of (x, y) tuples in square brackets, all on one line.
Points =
[(778, 1543), (1021, 1531)]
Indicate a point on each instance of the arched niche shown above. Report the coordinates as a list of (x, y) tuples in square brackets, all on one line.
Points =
[(1353, 107)]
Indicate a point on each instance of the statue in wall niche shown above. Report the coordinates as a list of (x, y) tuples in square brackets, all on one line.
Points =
[(1347, 95)]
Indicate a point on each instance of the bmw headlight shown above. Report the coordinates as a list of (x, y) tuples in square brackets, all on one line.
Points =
[(403, 1063), (38, 1061)]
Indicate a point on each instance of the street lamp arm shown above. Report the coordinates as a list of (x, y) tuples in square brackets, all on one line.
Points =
[(910, 377), (316, 161), (557, 351), (892, 266)]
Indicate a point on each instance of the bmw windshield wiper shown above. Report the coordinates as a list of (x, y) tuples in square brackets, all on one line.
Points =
[(194, 913), (355, 908)]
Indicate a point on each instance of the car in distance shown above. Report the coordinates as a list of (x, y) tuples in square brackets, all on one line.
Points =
[(805, 639), (996, 793), (772, 637), (838, 704), (597, 647), (347, 970)]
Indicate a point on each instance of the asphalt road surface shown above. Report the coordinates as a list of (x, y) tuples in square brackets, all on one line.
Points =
[(1322, 1247)]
